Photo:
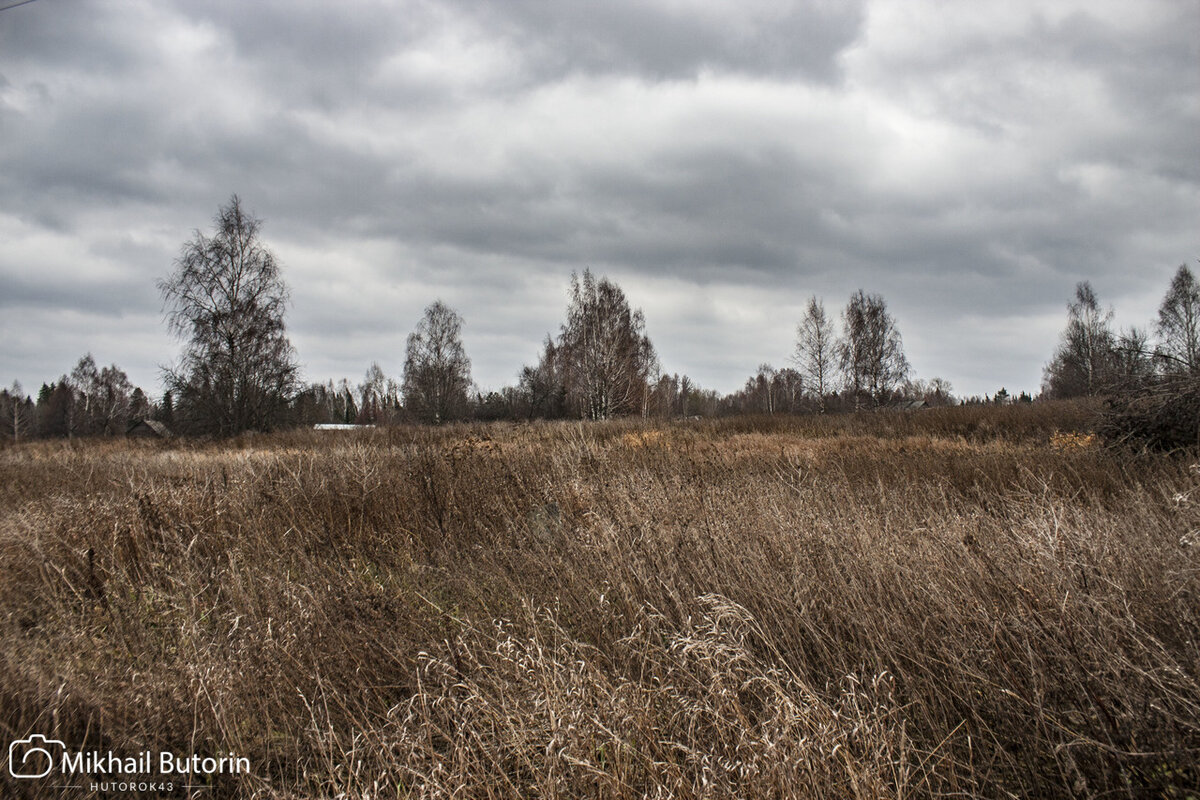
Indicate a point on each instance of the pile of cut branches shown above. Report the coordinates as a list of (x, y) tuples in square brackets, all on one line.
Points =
[(1163, 415)]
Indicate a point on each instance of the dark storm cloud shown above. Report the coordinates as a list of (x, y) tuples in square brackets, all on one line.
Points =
[(678, 214), (106, 295), (724, 160)]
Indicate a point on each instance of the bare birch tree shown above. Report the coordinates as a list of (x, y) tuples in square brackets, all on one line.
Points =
[(16, 412), (1084, 361), (608, 359), (871, 352), (816, 350), (1178, 325), (226, 299), (437, 372), (378, 396)]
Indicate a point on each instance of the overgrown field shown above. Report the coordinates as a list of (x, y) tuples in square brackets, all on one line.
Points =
[(955, 603)]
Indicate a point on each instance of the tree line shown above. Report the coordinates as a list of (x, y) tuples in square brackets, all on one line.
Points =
[(88, 401), (226, 301), (1093, 358)]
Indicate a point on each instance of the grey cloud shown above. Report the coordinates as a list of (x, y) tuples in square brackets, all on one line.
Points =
[(792, 38), (1006, 83), (708, 211), (105, 298), (328, 56), (955, 175), (315, 54), (75, 35)]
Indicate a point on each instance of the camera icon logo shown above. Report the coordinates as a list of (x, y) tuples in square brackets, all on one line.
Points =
[(33, 757)]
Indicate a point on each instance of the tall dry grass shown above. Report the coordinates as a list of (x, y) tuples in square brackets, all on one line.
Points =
[(948, 604)]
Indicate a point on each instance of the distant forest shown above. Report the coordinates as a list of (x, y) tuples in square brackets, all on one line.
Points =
[(226, 301)]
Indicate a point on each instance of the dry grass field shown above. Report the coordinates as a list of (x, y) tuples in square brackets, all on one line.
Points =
[(970, 602)]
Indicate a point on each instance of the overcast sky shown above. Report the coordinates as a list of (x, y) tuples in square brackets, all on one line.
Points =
[(722, 160)]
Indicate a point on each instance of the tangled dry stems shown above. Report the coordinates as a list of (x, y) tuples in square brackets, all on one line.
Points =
[(1163, 415), (945, 604)]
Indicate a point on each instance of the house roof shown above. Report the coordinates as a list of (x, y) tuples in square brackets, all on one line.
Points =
[(157, 427)]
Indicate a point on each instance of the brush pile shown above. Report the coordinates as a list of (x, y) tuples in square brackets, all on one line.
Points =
[(1163, 416)]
